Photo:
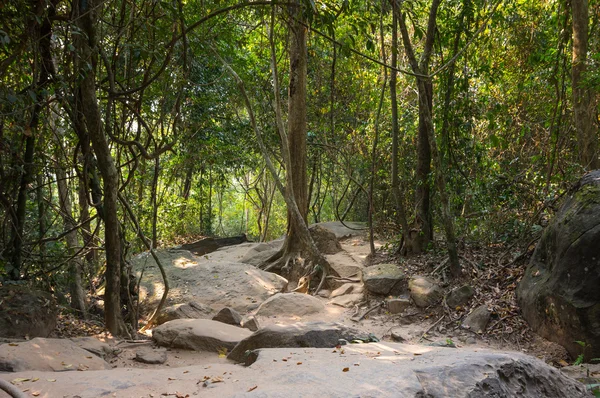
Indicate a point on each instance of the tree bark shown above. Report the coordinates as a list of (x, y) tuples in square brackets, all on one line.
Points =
[(397, 192), (584, 100), (297, 179), (85, 44)]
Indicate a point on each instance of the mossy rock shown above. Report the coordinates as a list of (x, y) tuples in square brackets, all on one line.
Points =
[(559, 294)]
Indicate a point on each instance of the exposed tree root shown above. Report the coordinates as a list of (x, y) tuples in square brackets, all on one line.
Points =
[(11, 390)]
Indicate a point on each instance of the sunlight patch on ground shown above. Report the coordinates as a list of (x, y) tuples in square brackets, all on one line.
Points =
[(184, 262)]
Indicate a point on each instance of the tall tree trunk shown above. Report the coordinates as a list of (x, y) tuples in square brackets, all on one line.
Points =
[(297, 179), (75, 268), (397, 192), (584, 100), (84, 17)]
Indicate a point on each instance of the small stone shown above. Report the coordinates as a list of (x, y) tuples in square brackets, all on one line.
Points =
[(470, 340), (229, 316), (399, 336), (478, 319), (459, 296), (250, 323), (151, 356), (424, 291), (384, 279), (397, 306)]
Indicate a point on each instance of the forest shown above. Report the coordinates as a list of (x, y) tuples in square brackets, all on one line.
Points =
[(133, 125)]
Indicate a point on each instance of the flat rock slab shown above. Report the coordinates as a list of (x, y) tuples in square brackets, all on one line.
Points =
[(345, 265), (199, 335), (191, 310), (215, 284), (372, 370), (347, 300), (307, 334), (52, 355), (151, 356), (95, 346), (290, 304), (342, 231)]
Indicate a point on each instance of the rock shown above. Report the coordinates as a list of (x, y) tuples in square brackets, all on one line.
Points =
[(324, 293), (478, 319), (345, 266), (345, 230), (261, 252), (397, 306), (347, 300), (51, 355), (459, 296), (384, 279), (151, 356), (290, 304), (250, 323), (191, 310), (471, 340), (325, 240), (559, 294), (399, 335), (198, 334), (228, 316), (94, 346), (211, 283), (347, 288), (26, 312), (424, 291), (383, 370), (310, 334)]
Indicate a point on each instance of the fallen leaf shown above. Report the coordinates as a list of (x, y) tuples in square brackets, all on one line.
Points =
[(299, 363), (217, 379), (13, 344), (416, 353), (19, 380), (35, 393), (51, 380), (284, 359), (346, 370), (252, 388)]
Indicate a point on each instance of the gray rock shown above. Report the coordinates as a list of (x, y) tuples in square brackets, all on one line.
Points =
[(398, 305), (382, 370), (478, 319), (26, 312), (324, 293), (51, 355), (347, 288), (399, 335), (229, 316), (310, 334), (199, 335), (151, 356), (471, 340), (347, 300), (345, 266), (250, 323), (191, 310), (559, 294), (459, 296), (94, 346), (212, 280), (290, 304), (346, 230), (384, 279), (325, 240), (424, 291), (261, 252)]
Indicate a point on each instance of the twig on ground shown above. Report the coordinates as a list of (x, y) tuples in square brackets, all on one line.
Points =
[(369, 311), (432, 326)]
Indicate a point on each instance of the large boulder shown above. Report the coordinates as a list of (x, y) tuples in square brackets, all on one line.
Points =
[(459, 296), (26, 312), (199, 335), (51, 355), (325, 239), (261, 252), (229, 316), (382, 370), (309, 334), (559, 294), (290, 304), (205, 281), (384, 279)]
